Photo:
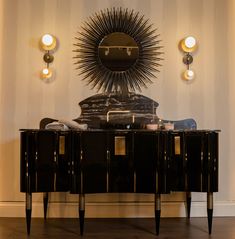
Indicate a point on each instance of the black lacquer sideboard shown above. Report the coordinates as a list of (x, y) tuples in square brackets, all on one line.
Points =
[(108, 161)]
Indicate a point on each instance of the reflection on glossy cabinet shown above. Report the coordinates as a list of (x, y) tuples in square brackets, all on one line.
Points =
[(107, 161)]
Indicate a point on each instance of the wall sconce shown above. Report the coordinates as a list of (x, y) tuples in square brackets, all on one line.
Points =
[(48, 43), (188, 45)]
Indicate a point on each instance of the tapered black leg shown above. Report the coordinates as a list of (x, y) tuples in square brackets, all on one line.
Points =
[(28, 210), (157, 211), (188, 203), (45, 204), (81, 212), (209, 210)]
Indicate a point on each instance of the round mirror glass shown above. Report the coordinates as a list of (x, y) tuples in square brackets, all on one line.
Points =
[(118, 51)]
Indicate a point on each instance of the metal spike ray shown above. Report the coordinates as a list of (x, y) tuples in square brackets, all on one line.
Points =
[(106, 22)]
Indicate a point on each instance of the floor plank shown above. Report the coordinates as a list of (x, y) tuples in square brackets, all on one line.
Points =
[(170, 228)]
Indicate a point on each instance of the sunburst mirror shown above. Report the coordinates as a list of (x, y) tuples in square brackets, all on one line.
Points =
[(117, 51)]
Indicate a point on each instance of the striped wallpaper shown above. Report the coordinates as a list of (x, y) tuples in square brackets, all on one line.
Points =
[(25, 98)]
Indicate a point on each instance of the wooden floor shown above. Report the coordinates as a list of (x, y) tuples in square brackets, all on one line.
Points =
[(170, 228)]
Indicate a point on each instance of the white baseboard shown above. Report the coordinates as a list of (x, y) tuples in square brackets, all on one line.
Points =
[(116, 210)]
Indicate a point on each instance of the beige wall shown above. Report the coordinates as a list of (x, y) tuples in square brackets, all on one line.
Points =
[(25, 99)]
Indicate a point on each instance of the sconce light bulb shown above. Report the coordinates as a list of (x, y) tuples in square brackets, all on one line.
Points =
[(48, 42), (190, 42), (189, 75), (46, 73), (47, 39)]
